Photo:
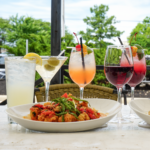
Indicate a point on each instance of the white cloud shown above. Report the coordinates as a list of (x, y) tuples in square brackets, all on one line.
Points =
[(75, 10), (129, 12), (39, 10)]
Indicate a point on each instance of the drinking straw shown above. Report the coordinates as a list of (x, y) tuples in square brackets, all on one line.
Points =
[(26, 46), (61, 53), (120, 41), (82, 56), (76, 36), (124, 51)]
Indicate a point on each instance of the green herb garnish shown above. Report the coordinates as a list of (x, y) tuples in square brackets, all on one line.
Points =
[(34, 114)]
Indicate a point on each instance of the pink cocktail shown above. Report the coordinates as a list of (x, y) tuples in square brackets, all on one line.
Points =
[(138, 75), (139, 71)]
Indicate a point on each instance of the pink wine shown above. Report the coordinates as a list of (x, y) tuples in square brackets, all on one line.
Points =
[(118, 75), (139, 72)]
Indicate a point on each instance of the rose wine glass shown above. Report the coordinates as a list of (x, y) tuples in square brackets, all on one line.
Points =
[(138, 75), (118, 67), (79, 74)]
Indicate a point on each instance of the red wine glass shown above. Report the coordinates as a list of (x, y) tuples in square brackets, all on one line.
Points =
[(118, 67)]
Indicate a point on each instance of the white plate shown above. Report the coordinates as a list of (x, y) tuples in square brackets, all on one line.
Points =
[(141, 108), (103, 105)]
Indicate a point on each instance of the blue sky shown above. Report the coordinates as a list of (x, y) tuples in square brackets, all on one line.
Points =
[(128, 12)]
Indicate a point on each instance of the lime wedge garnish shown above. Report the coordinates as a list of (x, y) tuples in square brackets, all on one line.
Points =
[(138, 46), (140, 51), (48, 67), (53, 61), (89, 50)]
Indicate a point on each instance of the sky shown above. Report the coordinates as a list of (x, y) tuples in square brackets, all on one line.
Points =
[(128, 12)]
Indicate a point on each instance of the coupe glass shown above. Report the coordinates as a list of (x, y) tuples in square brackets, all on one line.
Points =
[(50, 66), (138, 76), (118, 67), (79, 74)]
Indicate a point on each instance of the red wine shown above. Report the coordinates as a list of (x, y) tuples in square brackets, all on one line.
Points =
[(118, 75)]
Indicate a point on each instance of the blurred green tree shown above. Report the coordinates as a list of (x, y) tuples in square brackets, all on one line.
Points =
[(100, 28), (37, 32), (143, 34), (4, 25), (67, 40)]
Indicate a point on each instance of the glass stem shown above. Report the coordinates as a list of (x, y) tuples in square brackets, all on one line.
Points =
[(81, 92), (132, 98), (47, 91), (119, 115), (119, 95), (132, 93)]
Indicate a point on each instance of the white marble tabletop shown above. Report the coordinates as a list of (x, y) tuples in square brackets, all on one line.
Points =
[(112, 137)]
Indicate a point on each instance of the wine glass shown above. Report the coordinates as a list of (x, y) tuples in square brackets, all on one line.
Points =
[(118, 67), (138, 75), (82, 75)]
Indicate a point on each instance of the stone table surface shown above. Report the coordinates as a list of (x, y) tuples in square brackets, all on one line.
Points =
[(113, 137)]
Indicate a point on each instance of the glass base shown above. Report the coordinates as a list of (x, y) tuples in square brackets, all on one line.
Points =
[(10, 121), (144, 124), (120, 121), (131, 116)]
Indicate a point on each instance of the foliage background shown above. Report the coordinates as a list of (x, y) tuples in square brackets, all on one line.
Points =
[(15, 31)]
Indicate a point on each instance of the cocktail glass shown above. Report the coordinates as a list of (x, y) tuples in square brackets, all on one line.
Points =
[(118, 70), (50, 66), (20, 78), (82, 76), (138, 76)]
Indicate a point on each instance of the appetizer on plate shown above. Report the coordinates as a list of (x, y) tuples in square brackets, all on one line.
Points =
[(66, 108)]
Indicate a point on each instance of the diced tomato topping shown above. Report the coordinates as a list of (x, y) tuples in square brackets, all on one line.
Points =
[(92, 116), (56, 104), (65, 95), (38, 105), (89, 110), (46, 113), (31, 108), (70, 99), (98, 115), (82, 110)]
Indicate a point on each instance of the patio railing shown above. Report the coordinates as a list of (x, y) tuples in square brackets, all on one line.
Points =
[(64, 73)]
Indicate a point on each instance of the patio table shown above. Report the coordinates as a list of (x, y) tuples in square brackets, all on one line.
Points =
[(113, 137)]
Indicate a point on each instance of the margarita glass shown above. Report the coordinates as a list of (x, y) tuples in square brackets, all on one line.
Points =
[(82, 76), (49, 67)]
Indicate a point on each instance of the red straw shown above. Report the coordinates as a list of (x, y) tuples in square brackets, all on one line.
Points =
[(76, 36), (133, 36)]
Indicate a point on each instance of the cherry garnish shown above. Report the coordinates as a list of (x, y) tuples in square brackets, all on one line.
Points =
[(78, 47)]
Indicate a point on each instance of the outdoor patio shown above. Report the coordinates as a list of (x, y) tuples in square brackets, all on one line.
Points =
[(77, 73)]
